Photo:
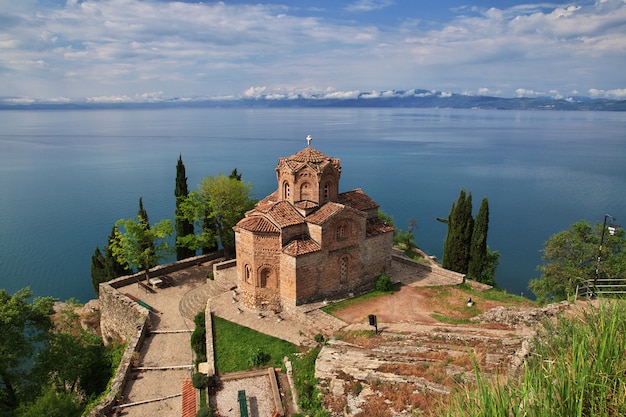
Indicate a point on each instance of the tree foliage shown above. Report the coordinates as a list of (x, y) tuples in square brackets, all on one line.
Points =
[(140, 245), (570, 257), (104, 266), (183, 226), (478, 244), (456, 252), (23, 325), (465, 248), (216, 207)]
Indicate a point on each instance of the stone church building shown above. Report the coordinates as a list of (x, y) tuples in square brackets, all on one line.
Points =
[(306, 241)]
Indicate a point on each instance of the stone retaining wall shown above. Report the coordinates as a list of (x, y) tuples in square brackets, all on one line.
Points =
[(165, 269), (436, 274), (123, 374)]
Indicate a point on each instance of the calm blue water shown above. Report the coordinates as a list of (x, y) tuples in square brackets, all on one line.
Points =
[(67, 176)]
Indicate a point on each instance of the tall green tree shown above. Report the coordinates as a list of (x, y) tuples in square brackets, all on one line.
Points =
[(148, 243), (456, 252), (115, 269), (23, 326), (183, 226), (99, 273), (570, 257), (139, 246), (218, 204), (104, 266), (478, 246)]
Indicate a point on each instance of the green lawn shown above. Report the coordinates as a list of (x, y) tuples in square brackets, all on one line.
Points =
[(238, 348)]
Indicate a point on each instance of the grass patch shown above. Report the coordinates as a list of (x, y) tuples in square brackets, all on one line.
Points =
[(238, 348), (576, 369), (309, 398), (450, 320)]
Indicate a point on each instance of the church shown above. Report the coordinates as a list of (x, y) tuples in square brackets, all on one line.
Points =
[(308, 242)]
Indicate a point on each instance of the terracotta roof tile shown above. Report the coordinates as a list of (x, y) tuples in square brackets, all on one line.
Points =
[(324, 213), (358, 200), (189, 398), (375, 227), (284, 214), (300, 247), (311, 157), (257, 224)]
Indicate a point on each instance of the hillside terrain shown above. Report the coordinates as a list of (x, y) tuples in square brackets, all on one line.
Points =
[(427, 343)]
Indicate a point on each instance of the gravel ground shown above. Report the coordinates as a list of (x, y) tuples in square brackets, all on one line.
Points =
[(258, 395)]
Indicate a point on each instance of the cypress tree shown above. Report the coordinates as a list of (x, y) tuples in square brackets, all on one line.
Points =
[(478, 247), (98, 270), (183, 226), (460, 225)]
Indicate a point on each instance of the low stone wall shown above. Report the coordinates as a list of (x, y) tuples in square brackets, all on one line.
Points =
[(210, 352), (165, 269), (436, 275)]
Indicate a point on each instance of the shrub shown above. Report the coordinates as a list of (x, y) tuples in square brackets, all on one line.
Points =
[(199, 319), (204, 411), (258, 357), (383, 282), (198, 341), (319, 338), (199, 380)]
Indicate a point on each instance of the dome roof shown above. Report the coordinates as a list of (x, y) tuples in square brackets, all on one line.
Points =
[(311, 157)]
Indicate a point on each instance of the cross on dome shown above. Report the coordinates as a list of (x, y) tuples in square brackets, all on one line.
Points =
[(309, 138)]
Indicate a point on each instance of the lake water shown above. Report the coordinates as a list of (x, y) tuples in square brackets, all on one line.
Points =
[(67, 176)]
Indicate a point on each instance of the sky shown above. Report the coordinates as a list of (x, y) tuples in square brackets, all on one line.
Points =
[(150, 50)]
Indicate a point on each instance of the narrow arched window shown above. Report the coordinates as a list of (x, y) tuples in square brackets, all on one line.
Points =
[(248, 274), (326, 192), (265, 280), (340, 233), (343, 270), (286, 191)]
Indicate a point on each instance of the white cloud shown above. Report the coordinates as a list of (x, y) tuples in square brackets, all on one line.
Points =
[(119, 48), (368, 5), (619, 94)]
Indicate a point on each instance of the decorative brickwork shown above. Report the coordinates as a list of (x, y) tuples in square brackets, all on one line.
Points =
[(306, 241)]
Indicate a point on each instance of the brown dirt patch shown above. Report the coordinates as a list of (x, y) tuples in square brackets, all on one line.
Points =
[(407, 305), (417, 305)]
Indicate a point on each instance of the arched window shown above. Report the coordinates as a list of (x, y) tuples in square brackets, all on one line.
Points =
[(265, 280), (343, 270), (305, 191), (286, 191), (340, 232), (326, 192), (248, 273)]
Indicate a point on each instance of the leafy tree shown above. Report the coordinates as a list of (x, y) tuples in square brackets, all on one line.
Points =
[(147, 243), (105, 267), (456, 252), (183, 226), (23, 325), (74, 359), (218, 204), (52, 404), (570, 257), (478, 245), (140, 245), (115, 268), (488, 274)]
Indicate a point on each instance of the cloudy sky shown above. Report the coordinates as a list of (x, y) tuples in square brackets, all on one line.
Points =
[(111, 50)]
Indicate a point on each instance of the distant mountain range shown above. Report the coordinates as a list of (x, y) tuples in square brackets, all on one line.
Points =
[(390, 99)]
